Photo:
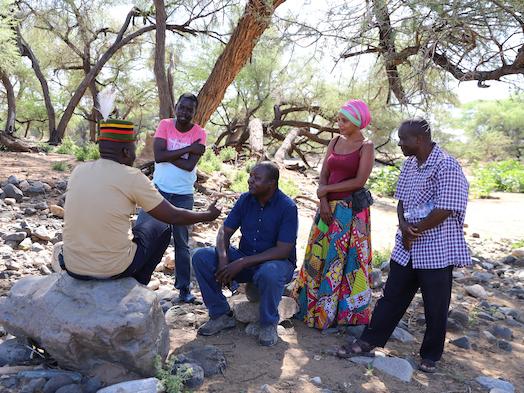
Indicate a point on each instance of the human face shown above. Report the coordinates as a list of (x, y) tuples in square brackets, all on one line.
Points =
[(258, 182), (185, 110), (345, 126), (408, 141)]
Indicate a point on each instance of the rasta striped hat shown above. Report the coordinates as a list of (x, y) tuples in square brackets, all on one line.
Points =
[(357, 112), (116, 131)]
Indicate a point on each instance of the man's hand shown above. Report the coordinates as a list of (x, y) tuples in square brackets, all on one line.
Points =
[(325, 211), (226, 274), (213, 210), (409, 234), (197, 148), (322, 191)]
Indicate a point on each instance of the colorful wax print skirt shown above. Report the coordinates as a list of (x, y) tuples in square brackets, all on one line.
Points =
[(333, 286)]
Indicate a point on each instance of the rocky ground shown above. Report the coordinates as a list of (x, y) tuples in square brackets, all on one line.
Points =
[(485, 345)]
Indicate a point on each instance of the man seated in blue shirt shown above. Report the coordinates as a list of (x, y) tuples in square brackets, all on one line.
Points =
[(268, 221)]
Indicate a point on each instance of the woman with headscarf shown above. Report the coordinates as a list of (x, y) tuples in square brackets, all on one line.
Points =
[(333, 286)]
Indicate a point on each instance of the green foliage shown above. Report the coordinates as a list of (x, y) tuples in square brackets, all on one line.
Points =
[(8, 48), (383, 180), (210, 162), (45, 147), (239, 183), (87, 152), (288, 187), (172, 383), (60, 166), (505, 176), (227, 154), (517, 244), (380, 256), (68, 146)]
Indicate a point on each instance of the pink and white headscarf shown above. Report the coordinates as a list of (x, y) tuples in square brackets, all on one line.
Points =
[(357, 112)]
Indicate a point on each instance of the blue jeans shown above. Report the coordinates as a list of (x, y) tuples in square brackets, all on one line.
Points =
[(180, 239), (270, 277)]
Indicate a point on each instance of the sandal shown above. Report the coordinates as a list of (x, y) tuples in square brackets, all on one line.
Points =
[(427, 366), (357, 348)]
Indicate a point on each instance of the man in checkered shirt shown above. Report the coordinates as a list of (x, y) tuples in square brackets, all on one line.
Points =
[(432, 195)]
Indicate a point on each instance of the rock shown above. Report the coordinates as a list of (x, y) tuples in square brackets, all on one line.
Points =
[(454, 326), (518, 253), (29, 211), (25, 244), (494, 383), (37, 187), (402, 335), (41, 206), (61, 185), (476, 291), (33, 386), (13, 180), (355, 330), (16, 237), (267, 389), (37, 247), (459, 316), (489, 337), (11, 264), (209, 357), (43, 234), (191, 373), (376, 278), (110, 329), (92, 385), (11, 191), (14, 352), (316, 380), (462, 342), (396, 367), (72, 388), (487, 265), (252, 293), (149, 385), (56, 211), (475, 235), (482, 277), (502, 332), (154, 284), (57, 382), (10, 201), (504, 345), (246, 311)]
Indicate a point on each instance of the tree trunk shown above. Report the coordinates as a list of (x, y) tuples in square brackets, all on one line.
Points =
[(238, 50), (164, 97), (11, 104), (93, 117), (286, 146), (256, 136)]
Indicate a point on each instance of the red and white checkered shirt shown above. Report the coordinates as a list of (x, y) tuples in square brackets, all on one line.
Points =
[(441, 184)]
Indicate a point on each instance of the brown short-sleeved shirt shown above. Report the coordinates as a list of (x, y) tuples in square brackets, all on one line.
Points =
[(101, 198)]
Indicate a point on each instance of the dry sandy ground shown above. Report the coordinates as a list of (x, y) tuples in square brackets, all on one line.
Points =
[(301, 354)]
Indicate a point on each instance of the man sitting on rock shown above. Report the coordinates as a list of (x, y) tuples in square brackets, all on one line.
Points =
[(432, 195), (102, 195), (268, 220)]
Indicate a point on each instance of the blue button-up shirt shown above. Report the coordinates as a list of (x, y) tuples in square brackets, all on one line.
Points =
[(262, 226), (439, 183)]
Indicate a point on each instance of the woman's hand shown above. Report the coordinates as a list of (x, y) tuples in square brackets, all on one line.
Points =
[(322, 191), (325, 211)]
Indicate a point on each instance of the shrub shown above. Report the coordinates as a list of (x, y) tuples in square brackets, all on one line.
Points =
[(68, 146), (227, 154), (380, 256), (505, 176), (87, 152), (288, 187), (172, 383), (45, 147), (60, 166), (383, 180), (210, 162), (239, 182)]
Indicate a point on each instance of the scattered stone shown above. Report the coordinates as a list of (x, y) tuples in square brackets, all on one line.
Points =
[(14, 352), (16, 237), (475, 235), (72, 388), (267, 389), (34, 385), (124, 333), (37, 247), (25, 244), (402, 335), (41, 206), (191, 373), (29, 211), (56, 383), (502, 332), (43, 234), (494, 383), (489, 337), (209, 357), (10, 201), (376, 278), (154, 284), (483, 277), (504, 345), (396, 367), (518, 253), (11, 191), (453, 326), (476, 291), (149, 385), (92, 385), (316, 380), (11, 264), (246, 311), (13, 180), (462, 342), (459, 316), (57, 211)]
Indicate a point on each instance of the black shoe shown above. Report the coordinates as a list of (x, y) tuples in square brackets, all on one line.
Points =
[(185, 296)]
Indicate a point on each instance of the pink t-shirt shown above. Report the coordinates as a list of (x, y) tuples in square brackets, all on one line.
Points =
[(167, 176)]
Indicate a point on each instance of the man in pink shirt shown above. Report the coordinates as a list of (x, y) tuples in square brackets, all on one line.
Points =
[(178, 145)]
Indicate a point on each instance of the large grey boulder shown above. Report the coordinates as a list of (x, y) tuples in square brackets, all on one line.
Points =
[(110, 329)]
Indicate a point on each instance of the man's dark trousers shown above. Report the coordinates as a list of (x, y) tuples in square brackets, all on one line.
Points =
[(401, 286)]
